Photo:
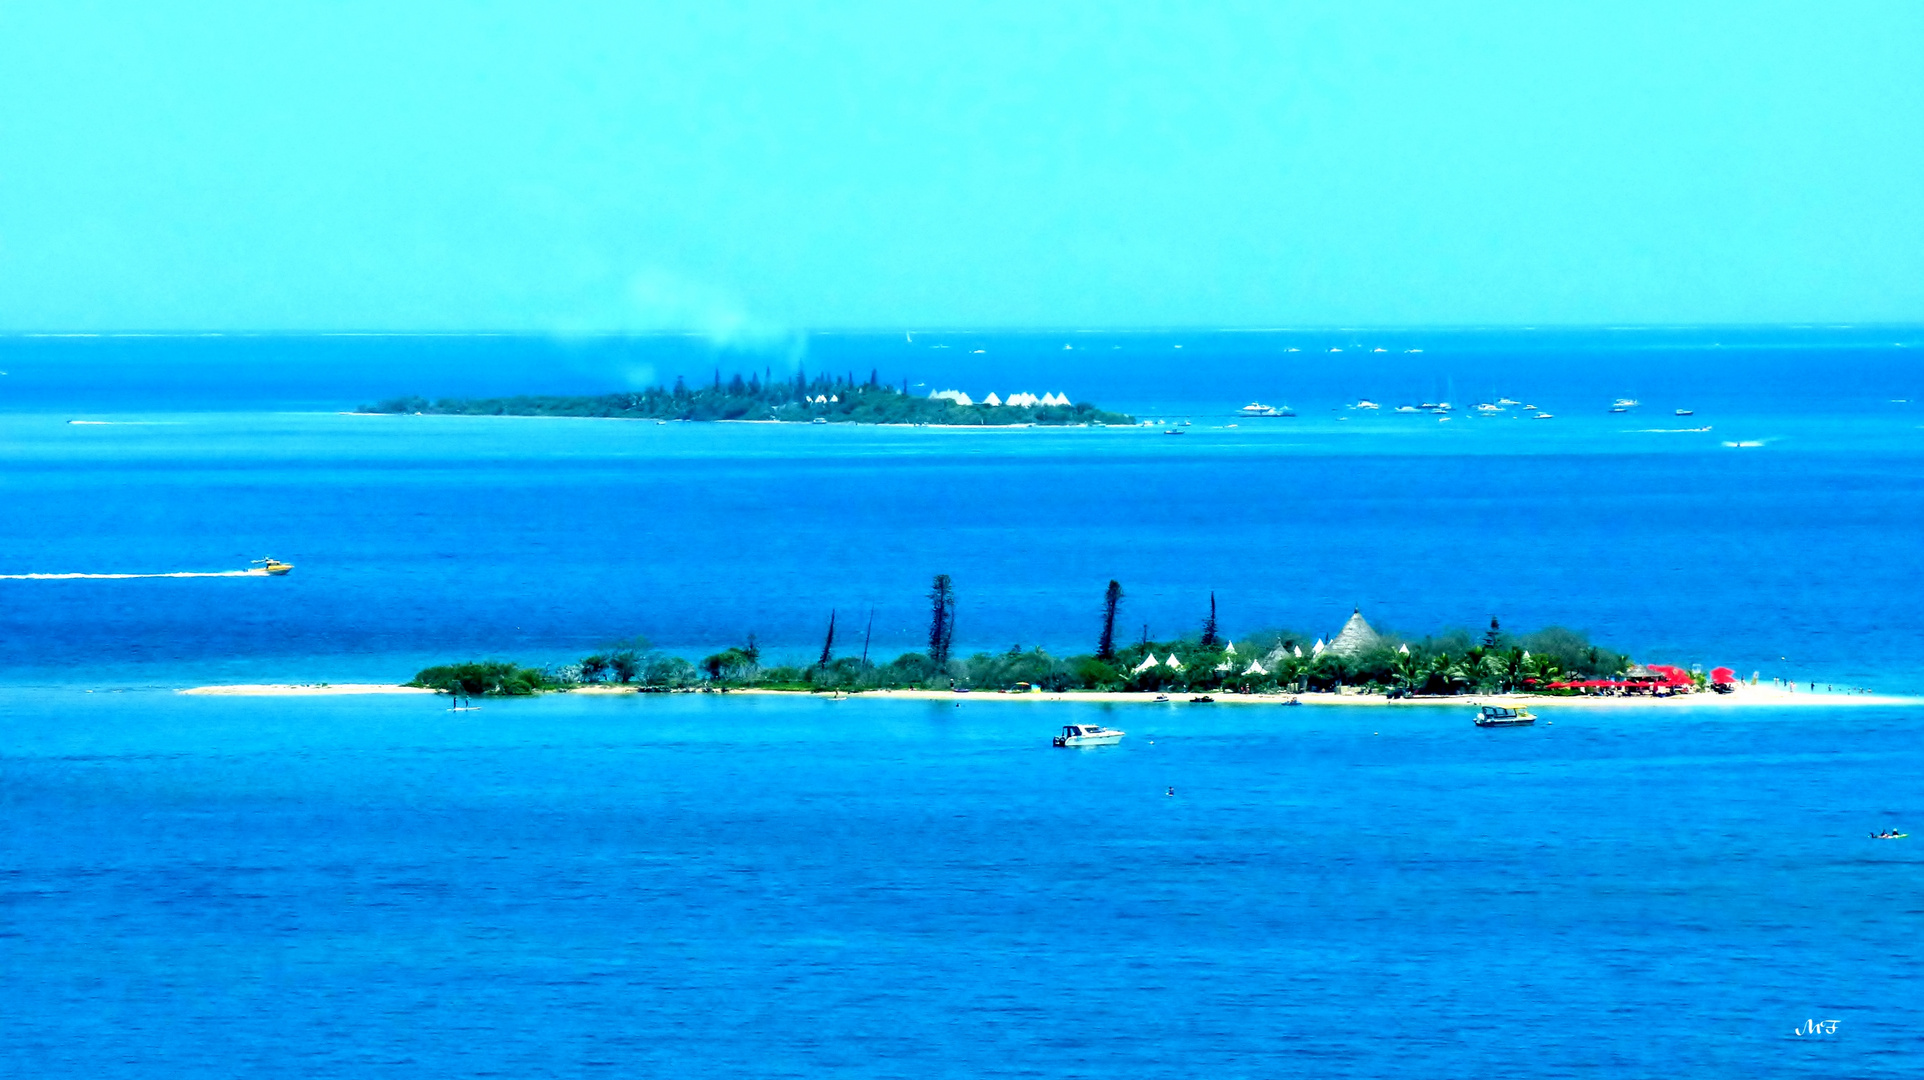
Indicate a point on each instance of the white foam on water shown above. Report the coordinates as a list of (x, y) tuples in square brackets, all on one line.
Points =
[(119, 577)]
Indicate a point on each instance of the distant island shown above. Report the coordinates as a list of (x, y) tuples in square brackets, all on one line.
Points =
[(803, 399)]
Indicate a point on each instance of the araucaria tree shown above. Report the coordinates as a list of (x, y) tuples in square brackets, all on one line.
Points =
[(1210, 638), (941, 620), (1106, 647)]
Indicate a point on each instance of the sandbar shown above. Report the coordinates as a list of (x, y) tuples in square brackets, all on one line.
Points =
[(309, 690), (1767, 696)]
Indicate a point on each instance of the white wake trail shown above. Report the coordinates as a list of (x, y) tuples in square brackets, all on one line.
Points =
[(119, 577)]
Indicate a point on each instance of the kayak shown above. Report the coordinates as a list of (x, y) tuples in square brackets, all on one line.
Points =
[(1893, 836)]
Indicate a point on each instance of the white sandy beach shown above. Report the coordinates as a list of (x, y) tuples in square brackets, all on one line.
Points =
[(1772, 697), (1768, 696), (309, 690)]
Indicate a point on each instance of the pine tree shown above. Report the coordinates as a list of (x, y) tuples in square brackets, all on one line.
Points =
[(1210, 638), (1106, 647), (941, 620)]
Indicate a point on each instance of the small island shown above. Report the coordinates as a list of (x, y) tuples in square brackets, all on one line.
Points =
[(826, 399), (1357, 664)]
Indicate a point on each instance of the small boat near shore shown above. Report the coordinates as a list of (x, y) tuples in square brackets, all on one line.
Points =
[(1088, 735), (1499, 716)]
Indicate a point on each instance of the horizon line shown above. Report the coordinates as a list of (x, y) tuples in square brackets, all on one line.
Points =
[(725, 341)]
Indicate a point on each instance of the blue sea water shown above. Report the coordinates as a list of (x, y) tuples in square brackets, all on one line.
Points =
[(741, 886)]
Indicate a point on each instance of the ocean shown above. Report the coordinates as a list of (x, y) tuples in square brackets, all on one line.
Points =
[(702, 886)]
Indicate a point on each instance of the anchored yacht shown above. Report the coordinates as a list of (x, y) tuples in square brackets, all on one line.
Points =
[(1088, 735)]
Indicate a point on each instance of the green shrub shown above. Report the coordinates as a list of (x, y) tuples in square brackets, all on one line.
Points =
[(496, 678)]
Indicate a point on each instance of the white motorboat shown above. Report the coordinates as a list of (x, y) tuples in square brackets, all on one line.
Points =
[(1257, 408), (1088, 735), (1499, 716)]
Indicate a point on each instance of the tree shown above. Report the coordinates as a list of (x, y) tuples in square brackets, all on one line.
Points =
[(1411, 673), (753, 652), (828, 645), (493, 677), (626, 664), (594, 668), (1491, 635), (941, 620), (1111, 599), (1210, 638)]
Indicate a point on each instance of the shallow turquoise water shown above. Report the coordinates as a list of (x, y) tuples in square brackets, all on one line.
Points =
[(694, 885)]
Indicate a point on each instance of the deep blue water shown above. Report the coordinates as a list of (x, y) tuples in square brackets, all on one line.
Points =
[(421, 539), (703, 886), (694, 886)]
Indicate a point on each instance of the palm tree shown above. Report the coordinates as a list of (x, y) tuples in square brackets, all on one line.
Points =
[(1411, 672), (1493, 671)]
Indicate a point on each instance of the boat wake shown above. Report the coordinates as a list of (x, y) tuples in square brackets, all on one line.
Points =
[(119, 577)]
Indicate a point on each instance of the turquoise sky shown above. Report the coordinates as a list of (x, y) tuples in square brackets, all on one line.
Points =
[(741, 168)]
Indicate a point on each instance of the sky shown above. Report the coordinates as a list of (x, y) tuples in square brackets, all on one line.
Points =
[(745, 169)]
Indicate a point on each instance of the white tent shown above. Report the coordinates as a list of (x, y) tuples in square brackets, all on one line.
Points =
[(1172, 663), (1147, 663), (1256, 668), (834, 398), (956, 396), (1224, 666), (1229, 649), (1317, 649), (1404, 649), (1299, 652), (992, 399)]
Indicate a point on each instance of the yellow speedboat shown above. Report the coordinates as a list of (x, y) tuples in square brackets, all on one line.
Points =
[(273, 566)]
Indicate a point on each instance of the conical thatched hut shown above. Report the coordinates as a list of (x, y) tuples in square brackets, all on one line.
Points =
[(1355, 637)]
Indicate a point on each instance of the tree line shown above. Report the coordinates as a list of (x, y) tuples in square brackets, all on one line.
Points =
[(1267, 661), (801, 399)]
